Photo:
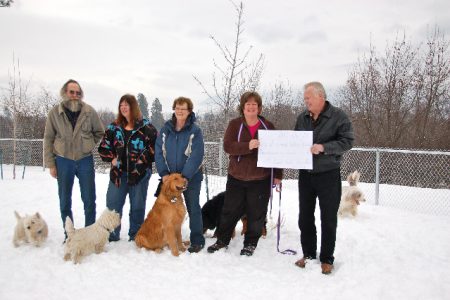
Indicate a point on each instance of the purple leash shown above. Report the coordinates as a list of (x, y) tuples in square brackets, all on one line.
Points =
[(287, 251)]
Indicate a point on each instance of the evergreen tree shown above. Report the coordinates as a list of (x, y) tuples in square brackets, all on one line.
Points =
[(157, 117), (143, 105)]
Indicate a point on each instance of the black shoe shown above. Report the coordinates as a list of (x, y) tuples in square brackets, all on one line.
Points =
[(216, 246), (195, 248), (248, 250)]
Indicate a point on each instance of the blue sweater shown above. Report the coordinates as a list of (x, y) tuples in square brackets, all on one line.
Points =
[(179, 151)]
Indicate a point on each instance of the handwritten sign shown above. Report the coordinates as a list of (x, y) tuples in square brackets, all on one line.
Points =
[(285, 149)]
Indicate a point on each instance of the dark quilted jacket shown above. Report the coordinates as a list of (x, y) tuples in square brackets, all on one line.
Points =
[(140, 150)]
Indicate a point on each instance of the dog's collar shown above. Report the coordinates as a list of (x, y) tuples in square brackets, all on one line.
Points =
[(174, 199)]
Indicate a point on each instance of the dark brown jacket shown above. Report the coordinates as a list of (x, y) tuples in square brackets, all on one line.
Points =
[(243, 161)]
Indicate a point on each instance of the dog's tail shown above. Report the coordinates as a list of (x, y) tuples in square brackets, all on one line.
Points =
[(353, 178), (17, 215), (70, 229), (142, 242)]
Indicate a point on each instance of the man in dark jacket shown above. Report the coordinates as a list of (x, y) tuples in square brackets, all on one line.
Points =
[(332, 136)]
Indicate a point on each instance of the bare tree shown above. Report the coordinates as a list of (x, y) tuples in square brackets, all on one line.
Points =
[(106, 115), (6, 3), (236, 74), (16, 103), (281, 107), (41, 105), (400, 99), (433, 93), (46, 100)]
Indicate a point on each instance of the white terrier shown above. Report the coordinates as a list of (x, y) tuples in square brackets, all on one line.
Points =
[(91, 239), (351, 195), (30, 229)]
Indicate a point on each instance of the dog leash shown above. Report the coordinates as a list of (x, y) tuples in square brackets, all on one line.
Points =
[(287, 251), (271, 193)]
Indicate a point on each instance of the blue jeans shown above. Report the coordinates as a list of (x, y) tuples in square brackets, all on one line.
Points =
[(191, 197), (115, 199), (67, 169)]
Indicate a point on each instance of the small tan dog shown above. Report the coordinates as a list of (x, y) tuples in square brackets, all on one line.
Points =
[(162, 226), (30, 229), (352, 196), (91, 239)]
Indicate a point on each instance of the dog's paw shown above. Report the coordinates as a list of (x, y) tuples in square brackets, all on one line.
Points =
[(181, 248), (76, 260)]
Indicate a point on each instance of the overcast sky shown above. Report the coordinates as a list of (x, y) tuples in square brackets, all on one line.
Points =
[(115, 47)]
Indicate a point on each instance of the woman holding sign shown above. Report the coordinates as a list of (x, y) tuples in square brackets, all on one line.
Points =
[(248, 186)]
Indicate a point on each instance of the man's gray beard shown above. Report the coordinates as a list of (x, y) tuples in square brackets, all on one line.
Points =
[(72, 105)]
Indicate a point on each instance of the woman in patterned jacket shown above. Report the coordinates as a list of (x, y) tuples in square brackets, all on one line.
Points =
[(128, 144)]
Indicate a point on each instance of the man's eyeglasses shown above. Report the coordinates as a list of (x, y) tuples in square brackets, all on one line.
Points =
[(181, 109), (78, 93)]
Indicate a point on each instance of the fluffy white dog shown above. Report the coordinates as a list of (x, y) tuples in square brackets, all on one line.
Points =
[(352, 196), (91, 239), (30, 229)]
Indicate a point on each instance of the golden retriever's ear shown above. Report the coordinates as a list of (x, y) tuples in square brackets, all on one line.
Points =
[(165, 186), (172, 188)]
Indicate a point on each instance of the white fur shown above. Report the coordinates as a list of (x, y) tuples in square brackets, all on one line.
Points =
[(30, 229), (91, 239), (351, 196)]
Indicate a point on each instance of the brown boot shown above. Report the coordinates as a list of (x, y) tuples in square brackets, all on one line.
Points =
[(301, 263), (326, 268)]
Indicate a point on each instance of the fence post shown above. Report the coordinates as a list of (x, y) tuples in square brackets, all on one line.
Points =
[(220, 156), (43, 157), (206, 182), (377, 176), (1, 163)]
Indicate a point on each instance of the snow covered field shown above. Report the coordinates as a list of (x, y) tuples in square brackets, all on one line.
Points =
[(383, 253)]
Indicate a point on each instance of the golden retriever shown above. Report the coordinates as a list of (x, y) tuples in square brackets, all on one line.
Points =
[(162, 226)]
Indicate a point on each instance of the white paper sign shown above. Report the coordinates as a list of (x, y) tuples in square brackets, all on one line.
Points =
[(285, 149)]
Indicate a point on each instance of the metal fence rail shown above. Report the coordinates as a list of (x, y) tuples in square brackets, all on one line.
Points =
[(383, 172)]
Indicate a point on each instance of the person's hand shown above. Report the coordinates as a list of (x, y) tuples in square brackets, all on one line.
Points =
[(114, 162), (53, 172), (253, 144), (317, 148), (277, 184), (165, 178)]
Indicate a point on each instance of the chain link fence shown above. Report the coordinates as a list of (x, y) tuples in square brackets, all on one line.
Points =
[(422, 178)]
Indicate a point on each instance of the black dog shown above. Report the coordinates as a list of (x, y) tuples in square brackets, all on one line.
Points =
[(211, 212)]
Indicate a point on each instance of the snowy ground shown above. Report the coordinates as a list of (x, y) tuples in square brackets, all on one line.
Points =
[(383, 253)]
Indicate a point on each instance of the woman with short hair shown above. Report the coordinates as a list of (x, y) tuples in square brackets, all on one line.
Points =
[(180, 149), (248, 186)]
